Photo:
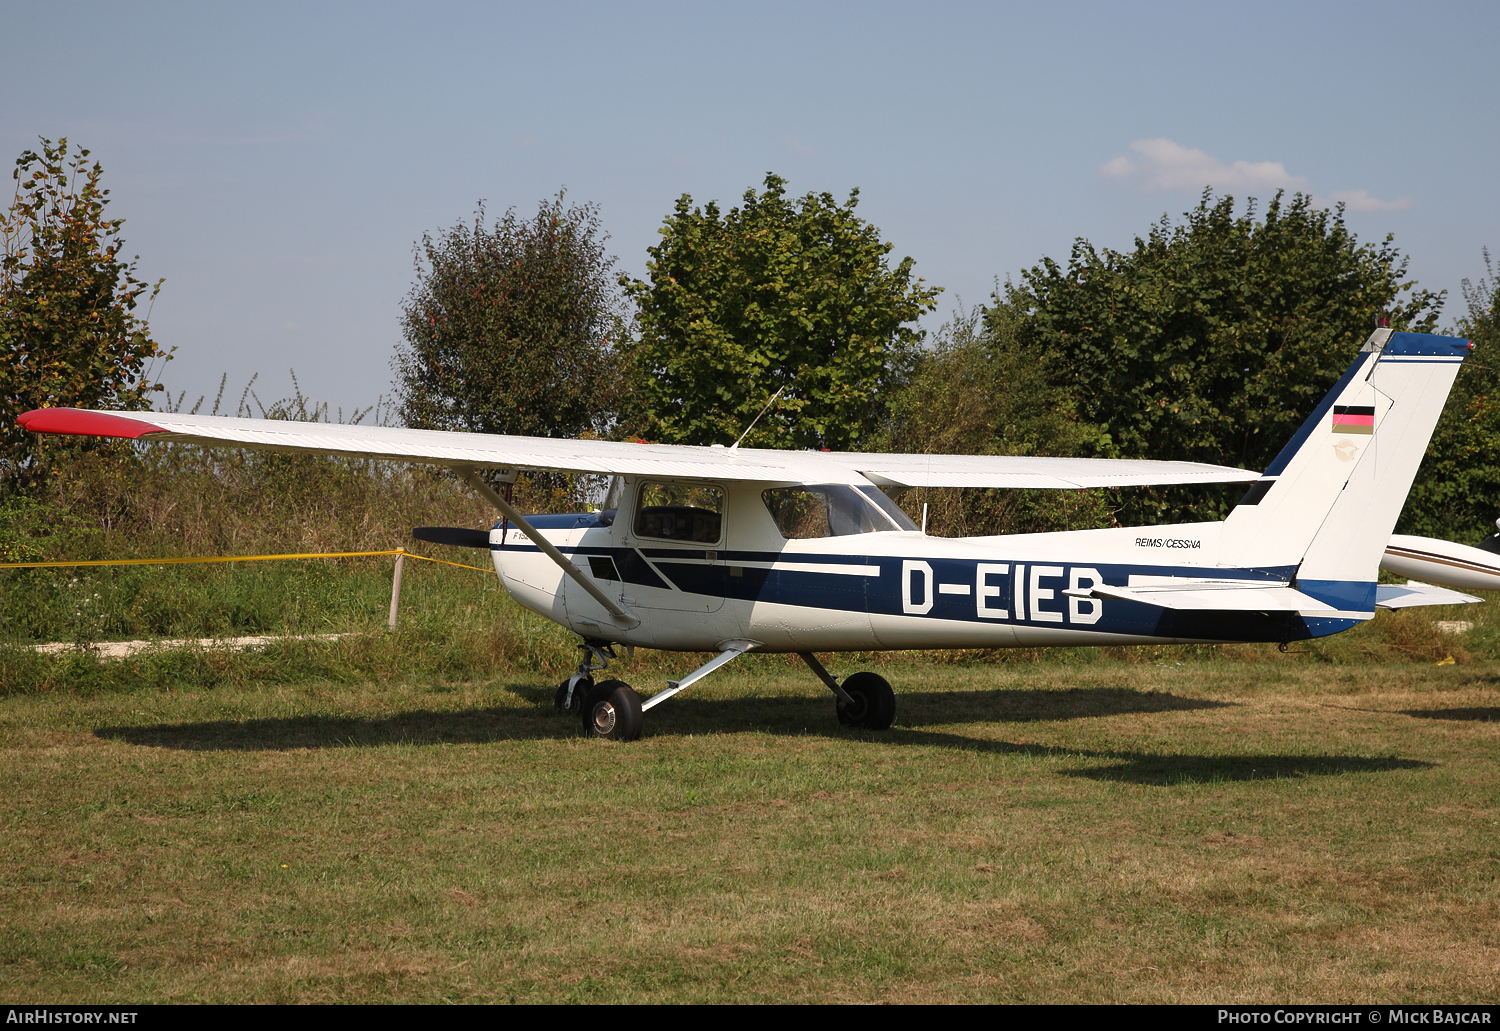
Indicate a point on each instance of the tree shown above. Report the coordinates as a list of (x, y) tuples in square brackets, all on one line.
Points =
[(790, 295), (512, 328), (1457, 492), (975, 392), (1213, 339), (67, 305)]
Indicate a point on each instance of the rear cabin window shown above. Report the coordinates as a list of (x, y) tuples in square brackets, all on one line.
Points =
[(680, 512), (832, 510)]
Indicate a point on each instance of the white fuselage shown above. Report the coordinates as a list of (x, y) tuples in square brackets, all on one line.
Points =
[(871, 591)]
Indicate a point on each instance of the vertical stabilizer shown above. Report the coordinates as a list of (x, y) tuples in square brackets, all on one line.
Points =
[(1330, 499)]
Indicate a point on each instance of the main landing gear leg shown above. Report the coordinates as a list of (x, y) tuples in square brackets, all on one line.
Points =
[(864, 699)]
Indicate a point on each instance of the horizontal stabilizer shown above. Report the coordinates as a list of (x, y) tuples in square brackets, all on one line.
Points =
[(1394, 596), (1211, 596)]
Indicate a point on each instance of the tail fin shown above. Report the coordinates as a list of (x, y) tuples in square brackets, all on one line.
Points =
[(1330, 499)]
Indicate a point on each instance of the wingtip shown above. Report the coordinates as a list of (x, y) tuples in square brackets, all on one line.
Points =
[(78, 422)]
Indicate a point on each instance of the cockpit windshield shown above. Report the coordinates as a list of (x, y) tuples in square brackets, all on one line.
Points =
[(833, 510)]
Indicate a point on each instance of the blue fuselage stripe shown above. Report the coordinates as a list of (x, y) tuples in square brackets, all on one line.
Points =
[(988, 590)]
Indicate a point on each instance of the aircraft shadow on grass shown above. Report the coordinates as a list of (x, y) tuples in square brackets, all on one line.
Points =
[(1469, 715), (681, 716), (782, 716), (913, 708), (1490, 715), (1164, 770)]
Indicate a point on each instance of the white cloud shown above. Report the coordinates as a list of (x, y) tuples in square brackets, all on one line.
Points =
[(1360, 200), (1168, 165), (1162, 164)]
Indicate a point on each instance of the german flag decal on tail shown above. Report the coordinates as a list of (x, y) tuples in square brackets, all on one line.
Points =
[(1354, 419)]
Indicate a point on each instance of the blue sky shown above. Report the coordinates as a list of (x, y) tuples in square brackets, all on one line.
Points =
[(276, 163)]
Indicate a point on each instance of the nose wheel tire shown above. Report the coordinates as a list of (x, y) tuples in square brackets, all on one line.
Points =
[(582, 685), (874, 705), (612, 710)]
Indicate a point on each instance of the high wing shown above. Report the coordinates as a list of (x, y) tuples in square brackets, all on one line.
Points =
[(518, 454)]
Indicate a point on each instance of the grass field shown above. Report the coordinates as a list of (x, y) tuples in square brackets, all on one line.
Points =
[(1038, 831)]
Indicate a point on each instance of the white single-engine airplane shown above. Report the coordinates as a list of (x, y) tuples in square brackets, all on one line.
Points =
[(728, 550)]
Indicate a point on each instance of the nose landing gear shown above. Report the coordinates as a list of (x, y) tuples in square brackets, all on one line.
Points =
[(612, 710), (571, 692)]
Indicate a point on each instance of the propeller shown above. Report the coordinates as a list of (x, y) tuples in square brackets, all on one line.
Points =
[(456, 536)]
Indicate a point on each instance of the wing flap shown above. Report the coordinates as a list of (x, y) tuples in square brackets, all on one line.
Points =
[(1018, 471)]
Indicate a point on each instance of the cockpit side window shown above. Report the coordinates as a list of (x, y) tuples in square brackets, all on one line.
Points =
[(680, 512), (829, 510)]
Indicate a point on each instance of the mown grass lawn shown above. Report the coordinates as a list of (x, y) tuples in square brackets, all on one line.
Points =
[(1199, 832)]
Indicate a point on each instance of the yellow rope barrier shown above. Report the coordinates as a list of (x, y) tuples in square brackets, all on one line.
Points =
[(233, 558), (443, 561)]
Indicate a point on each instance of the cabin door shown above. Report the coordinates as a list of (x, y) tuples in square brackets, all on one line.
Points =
[(675, 534)]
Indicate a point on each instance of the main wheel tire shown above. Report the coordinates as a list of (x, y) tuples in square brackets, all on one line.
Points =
[(874, 705), (580, 691), (612, 710)]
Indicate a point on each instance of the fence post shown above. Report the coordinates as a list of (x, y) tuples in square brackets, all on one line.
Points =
[(396, 586)]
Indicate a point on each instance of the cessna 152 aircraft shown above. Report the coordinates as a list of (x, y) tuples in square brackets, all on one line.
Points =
[(728, 550)]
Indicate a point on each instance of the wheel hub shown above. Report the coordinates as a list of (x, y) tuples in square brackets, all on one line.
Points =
[(604, 719)]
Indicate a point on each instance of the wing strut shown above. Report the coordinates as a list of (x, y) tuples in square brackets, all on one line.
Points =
[(472, 478), (732, 650)]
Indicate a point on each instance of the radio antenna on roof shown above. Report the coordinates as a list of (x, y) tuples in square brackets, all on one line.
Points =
[(755, 420)]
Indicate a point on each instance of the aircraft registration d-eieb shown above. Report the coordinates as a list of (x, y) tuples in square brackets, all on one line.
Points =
[(732, 550)]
